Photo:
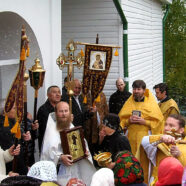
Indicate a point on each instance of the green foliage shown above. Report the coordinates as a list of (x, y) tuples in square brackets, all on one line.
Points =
[(175, 52)]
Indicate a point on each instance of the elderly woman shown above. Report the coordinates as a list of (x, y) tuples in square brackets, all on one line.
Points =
[(103, 176), (127, 170)]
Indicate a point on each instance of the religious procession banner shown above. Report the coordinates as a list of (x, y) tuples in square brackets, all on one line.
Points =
[(96, 67), (97, 60), (15, 95)]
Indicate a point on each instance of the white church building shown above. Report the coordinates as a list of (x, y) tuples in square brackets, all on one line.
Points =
[(50, 24)]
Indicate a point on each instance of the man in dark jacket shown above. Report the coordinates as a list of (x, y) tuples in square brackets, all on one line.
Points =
[(54, 97), (64, 89), (118, 98), (79, 111)]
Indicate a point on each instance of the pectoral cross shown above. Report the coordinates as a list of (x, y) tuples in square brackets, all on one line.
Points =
[(70, 61)]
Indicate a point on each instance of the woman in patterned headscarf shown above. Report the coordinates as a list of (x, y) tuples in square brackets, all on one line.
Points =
[(127, 170)]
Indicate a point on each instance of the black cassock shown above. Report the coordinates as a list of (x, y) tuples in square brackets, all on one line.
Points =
[(117, 100)]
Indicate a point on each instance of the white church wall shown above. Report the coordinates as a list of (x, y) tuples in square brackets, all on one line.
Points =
[(157, 16), (10, 39), (82, 20), (7, 73), (44, 18), (144, 40)]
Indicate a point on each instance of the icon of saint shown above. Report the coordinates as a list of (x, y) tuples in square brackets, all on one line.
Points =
[(98, 64)]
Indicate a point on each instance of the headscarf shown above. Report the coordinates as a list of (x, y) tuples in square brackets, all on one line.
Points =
[(127, 169), (184, 177), (170, 172), (43, 170), (75, 182), (21, 180), (112, 121), (103, 177)]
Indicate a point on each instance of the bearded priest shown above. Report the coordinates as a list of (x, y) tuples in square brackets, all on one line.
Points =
[(52, 149)]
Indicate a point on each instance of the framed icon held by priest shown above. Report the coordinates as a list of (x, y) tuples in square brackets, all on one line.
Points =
[(72, 142)]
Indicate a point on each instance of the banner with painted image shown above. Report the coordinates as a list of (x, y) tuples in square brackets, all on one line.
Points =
[(96, 67)]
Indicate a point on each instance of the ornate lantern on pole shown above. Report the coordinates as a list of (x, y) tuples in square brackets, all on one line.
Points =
[(37, 75)]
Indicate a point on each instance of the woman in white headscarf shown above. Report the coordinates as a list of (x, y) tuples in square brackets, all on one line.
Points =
[(43, 170), (103, 176)]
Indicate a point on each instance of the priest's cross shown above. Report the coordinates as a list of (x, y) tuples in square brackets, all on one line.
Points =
[(70, 61), (177, 136), (174, 133)]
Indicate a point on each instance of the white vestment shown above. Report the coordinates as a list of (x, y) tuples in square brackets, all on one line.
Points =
[(151, 151), (52, 150)]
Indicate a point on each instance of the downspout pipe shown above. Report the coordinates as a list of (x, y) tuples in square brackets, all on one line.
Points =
[(125, 41), (163, 23)]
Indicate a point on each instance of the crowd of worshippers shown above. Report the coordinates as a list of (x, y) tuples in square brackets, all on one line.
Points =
[(146, 139)]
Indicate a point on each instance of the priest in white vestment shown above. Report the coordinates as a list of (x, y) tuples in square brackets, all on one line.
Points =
[(52, 150)]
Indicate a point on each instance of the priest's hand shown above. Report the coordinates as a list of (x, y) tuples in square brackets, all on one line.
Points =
[(174, 150), (137, 120), (14, 151), (66, 159), (35, 125), (27, 136), (167, 139), (11, 173), (87, 154), (93, 109)]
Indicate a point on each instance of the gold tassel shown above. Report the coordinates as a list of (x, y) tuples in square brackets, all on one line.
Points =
[(18, 134), (82, 53), (98, 99), (28, 52), (6, 123), (23, 54), (85, 100), (15, 128), (116, 52)]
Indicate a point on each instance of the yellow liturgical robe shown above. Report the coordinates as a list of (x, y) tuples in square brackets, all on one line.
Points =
[(150, 111), (168, 107), (163, 151)]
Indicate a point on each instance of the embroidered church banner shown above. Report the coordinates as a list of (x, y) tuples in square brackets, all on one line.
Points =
[(96, 67)]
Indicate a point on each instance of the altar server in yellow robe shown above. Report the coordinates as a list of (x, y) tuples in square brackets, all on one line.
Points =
[(140, 115), (157, 147), (167, 105)]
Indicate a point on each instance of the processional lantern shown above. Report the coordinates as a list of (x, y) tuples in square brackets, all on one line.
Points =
[(37, 75), (70, 61)]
